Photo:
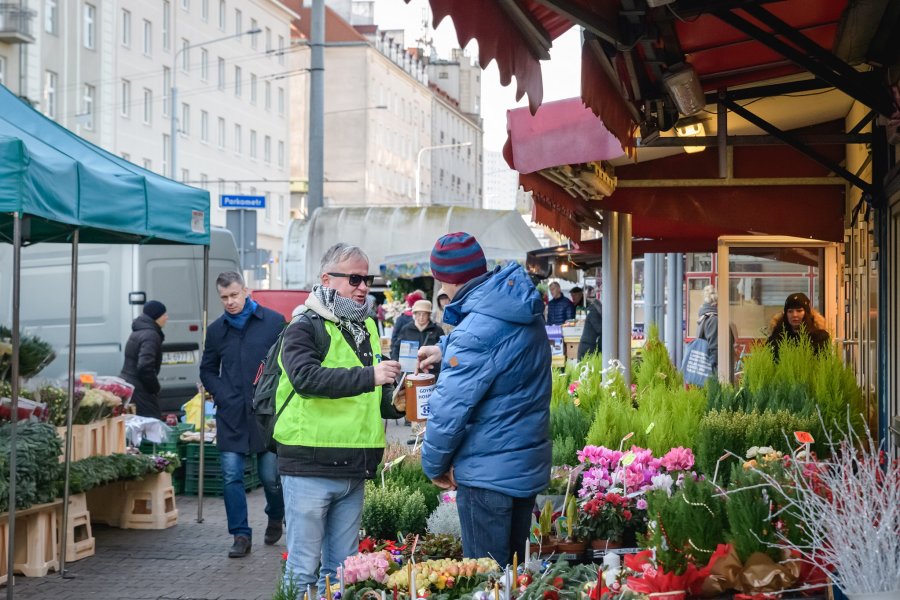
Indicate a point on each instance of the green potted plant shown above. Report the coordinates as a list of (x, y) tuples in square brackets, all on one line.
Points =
[(545, 522), (571, 544), (603, 519)]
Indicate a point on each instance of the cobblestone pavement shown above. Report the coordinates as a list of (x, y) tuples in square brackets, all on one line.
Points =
[(186, 562)]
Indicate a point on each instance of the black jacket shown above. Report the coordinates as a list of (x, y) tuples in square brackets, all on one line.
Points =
[(143, 359), (592, 334), (302, 361), (410, 333), (815, 327), (230, 362)]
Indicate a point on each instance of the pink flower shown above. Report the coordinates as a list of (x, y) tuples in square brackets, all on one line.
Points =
[(678, 459), (641, 504)]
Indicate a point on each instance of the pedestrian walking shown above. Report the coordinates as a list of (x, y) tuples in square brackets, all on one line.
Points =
[(143, 358), (560, 309), (334, 390), (488, 433), (236, 344)]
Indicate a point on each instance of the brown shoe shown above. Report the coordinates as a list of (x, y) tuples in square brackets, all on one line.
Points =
[(240, 548), (273, 532)]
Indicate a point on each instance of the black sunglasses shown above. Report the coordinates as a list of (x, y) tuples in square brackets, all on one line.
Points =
[(356, 280)]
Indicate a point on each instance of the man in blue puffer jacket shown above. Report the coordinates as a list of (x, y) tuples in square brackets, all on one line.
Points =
[(488, 434)]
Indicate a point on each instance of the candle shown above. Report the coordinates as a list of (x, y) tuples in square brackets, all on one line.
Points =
[(309, 593), (383, 595), (515, 564), (496, 590), (528, 548), (328, 587), (341, 581), (412, 585)]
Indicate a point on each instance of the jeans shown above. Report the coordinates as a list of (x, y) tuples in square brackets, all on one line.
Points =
[(493, 524), (323, 516), (236, 496)]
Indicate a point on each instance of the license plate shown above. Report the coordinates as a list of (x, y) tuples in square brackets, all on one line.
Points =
[(178, 358)]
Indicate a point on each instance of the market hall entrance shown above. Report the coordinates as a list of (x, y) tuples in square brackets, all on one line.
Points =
[(757, 273)]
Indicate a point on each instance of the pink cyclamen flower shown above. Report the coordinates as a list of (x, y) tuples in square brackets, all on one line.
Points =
[(678, 459)]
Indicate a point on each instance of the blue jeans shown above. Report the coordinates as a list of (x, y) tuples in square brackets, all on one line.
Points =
[(323, 516), (493, 524), (236, 495)]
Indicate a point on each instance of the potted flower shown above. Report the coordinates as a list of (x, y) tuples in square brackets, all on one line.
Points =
[(545, 522), (603, 519), (571, 544)]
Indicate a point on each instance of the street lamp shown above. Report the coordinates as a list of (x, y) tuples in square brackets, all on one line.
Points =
[(173, 133), (419, 164)]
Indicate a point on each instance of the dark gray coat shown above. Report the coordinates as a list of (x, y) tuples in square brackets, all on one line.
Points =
[(143, 359), (230, 362)]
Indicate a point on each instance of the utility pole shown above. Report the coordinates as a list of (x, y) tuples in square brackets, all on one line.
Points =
[(316, 193)]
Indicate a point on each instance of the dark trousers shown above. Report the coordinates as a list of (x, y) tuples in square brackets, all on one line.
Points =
[(493, 524)]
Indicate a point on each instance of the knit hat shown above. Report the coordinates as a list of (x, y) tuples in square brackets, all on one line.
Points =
[(154, 309), (798, 300), (422, 306), (457, 258), (413, 297)]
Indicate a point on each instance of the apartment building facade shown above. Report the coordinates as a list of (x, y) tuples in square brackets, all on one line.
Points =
[(106, 68)]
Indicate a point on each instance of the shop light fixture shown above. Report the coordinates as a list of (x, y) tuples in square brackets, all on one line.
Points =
[(684, 87), (691, 129)]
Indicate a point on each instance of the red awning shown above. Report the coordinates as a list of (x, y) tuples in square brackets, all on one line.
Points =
[(560, 133)]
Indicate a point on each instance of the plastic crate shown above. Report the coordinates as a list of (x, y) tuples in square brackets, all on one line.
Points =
[(152, 448), (212, 477), (193, 451)]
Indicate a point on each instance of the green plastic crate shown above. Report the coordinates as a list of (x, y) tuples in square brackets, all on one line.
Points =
[(151, 448), (209, 451), (212, 477)]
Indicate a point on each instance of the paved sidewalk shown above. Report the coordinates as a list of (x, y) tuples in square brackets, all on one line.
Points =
[(189, 561)]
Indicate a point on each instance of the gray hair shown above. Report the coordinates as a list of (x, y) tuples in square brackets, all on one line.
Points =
[(710, 294), (338, 254), (227, 278)]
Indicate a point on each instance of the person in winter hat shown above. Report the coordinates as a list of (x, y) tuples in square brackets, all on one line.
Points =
[(798, 317), (406, 317), (488, 434), (422, 331), (143, 358)]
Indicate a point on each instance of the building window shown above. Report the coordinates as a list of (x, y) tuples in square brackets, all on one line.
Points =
[(252, 143), (167, 86), (268, 94), (280, 49), (204, 64), (221, 65), (185, 55), (148, 164), (148, 38), (2, 70), (443, 75), (237, 82), (204, 126), (281, 101), (186, 4), (51, 17), (204, 181), (268, 40), (166, 24), (90, 33), (125, 99), (238, 146), (165, 158), (252, 88), (148, 106), (185, 119), (185, 175), (253, 27), (280, 153), (267, 149), (222, 9), (220, 134), (238, 22), (87, 106), (126, 156), (268, 205), (204, 10), (126, 28), (281, 210)]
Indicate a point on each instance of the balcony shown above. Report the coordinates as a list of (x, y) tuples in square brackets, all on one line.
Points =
[(15, 24)]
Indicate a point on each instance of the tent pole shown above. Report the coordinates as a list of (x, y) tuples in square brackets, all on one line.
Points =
[(67, 452), (14, 405), (203, 320)]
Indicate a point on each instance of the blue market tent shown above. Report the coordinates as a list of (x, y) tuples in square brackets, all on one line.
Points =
[(58, 187), (62, 181)]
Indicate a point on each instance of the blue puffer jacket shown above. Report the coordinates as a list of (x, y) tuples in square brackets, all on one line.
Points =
[(490, 411)]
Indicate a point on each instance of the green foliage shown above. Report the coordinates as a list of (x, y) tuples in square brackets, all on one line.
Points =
[(759, 368), (589, 373), (612, 421), (748, 515), (410, 476), (34, 355), (666, 419), (737, 431), (96, 471), (545, 520), (687, 526), (838, 394), (655, 368), (565, 451), (392, 509), (37, 463), (440, 546), (57, 401), (569, 427)]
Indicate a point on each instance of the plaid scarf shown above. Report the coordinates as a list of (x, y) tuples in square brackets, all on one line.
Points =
[(350, 314)]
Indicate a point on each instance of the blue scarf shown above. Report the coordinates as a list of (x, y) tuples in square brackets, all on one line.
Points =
[(239, 320)]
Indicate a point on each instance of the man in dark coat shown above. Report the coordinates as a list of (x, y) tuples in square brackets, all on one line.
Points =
[(592, 334), (560, 309), (236, 344), (143, 358)]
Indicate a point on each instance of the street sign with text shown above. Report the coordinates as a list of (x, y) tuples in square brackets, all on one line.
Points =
[(238, 201)]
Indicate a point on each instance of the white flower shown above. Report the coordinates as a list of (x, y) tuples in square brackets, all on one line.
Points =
[(752, 452), (765, 450), (663, 481)]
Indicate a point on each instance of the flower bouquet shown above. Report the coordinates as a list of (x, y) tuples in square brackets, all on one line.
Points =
[(95, 405), (652, 578)]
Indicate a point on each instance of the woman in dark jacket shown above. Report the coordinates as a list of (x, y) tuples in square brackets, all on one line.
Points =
[(421, 330), (143, 358), (592, 334), (798, 316)]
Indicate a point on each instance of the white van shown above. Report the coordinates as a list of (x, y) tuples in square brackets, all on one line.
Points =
[(113, 283)]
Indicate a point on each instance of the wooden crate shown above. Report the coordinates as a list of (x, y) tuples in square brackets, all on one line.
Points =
[(4, 542), (149, 503), (115, 435), (80, 542), (87, 440), (105, 503), (36, 543)]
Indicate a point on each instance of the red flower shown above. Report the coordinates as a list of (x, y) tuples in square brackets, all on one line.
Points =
[(627, 514), (366, 545), (284, 556), (558, 583)]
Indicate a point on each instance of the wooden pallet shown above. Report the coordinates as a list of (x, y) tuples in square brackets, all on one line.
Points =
[(36, 542), (150, 503)]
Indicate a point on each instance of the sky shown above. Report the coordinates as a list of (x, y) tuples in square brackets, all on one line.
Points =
[(561, 74)]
